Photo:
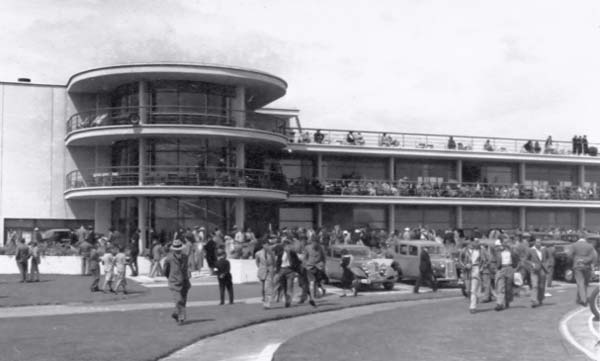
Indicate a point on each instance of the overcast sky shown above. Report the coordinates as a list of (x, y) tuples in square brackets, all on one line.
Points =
[(505, 68)]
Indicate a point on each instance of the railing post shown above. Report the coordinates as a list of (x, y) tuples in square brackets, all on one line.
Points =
[(143, 101), (403, 141)]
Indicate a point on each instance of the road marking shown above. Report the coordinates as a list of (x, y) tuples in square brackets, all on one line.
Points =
[(564, 330), (268, 352), (595, 331)]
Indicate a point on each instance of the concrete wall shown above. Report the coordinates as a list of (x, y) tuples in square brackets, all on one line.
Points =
[(33, 156)]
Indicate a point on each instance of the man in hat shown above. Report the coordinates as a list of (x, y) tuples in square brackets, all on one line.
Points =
[(537, 260), (222, 269), (177, 272), (584, 255), (506, 261)]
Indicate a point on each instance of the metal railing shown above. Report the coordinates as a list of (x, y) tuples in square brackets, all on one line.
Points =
[(173, 114), (175, 176), (442, 189), (431, 141)]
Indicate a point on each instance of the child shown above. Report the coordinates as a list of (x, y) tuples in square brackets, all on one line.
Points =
[(121, 262), (222, 268), (348, 281), (108, 260)]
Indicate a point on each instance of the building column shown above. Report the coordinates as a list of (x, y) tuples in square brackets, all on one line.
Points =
[(141, 161), (522, 173), (319, 215), (391, 218), (391, 169), (143, 101), (142, 222), (522, 218), (581, 219), (320, 168), (459, 217), (581, 175), (459, 166), (240, 156), (238, 106), (240, 213)]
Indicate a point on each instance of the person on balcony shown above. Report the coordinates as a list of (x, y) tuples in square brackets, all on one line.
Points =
[(359, 139), (451, 143), (305, 137), (528, 147), (388, 141), (584, 145), (537, 148), (488, 146), (350, 139), (319, 137)]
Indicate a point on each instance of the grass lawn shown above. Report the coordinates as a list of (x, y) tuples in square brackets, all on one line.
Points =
[(149, 334)]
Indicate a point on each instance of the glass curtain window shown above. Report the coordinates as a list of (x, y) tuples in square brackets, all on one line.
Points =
[(124, 102)]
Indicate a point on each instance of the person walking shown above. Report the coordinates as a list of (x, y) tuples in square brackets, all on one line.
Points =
[(134, 252), (108, 260), (314, 263), (478, 261), (287, 261), (120, 268), (95, 269), (537, 259), (178, 276), (506, 261), (270, 260), (264, 261), (84, 253), (487, 274), (210, 252), (550, 262), (222, 269), (425, 272), (348, 279), (22, 258), (34, 250), (583, 255), (156, 256)]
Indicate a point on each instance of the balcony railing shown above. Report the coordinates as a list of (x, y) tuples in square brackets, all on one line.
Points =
[(443, 189), (435, 142), (167, 114), (175, 176)]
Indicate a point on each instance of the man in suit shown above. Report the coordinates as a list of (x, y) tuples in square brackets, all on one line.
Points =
[(264, 265), (583, 255), (551, 253), (425, 272), (178, 275), (537, 260), (22, 257), (506, 261), (314, 263)]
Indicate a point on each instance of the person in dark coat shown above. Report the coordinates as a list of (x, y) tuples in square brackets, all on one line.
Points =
[(425, 272), (134, 252), (95, 269), (584, 145), (177, 272), (22, 257), (574, 141), (210, 251), (348, 279), (222, 269), (584, 256)]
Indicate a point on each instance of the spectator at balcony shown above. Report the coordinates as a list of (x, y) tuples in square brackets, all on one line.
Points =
[(350, 139), (359, 139), (319, 137), (536, 147), (451, 143), (584, 145), (528, 147), (574, 144), (488, 146), (578, 145), (304, 137), (548, 146), (388, 141)]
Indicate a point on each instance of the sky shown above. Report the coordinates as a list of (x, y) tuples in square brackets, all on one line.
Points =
[(523, 69)]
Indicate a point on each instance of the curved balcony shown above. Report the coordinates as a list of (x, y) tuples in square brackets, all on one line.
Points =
[(439, 146), (436, 191), (105, 125), (113, 182)]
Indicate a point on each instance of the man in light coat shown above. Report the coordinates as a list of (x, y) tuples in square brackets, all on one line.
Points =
[(584, 256), (178, 274)]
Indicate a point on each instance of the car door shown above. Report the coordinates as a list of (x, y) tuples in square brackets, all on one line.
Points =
[(333, 264)]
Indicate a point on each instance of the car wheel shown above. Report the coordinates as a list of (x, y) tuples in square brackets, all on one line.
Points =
[(595, 303), (569, 276), (388, 286)]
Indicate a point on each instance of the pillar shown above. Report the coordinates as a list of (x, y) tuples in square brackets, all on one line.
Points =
[(459, 217), (240, 213), (522, 217), (238, 106), (102, 215), (319, 215), (320, 168), (240, 156), (522, 173), (391, 169), (142, 221), (581, 218), (143, 101), (391, 218), (142, 161), (581, 175), (459, 166)]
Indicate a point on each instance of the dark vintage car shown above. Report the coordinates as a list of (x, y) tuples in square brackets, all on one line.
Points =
[(367, 269), (563, 268), (408, 253), (57, 235)]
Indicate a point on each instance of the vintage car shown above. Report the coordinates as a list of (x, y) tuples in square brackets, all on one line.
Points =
[(408, 254), (563, 267), (369, 271), (57, 235)]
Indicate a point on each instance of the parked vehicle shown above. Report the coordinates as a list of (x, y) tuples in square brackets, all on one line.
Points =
[(368, 270), (408, 254), (563, 268), (57, 235)]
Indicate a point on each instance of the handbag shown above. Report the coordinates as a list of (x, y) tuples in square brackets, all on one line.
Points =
[(518, 279)]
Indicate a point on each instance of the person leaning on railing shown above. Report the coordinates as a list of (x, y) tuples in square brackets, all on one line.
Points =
[(451, 143)]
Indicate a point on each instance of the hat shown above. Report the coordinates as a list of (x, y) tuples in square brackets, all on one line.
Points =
[(407, 229), (498, 243), (177, 245), (36, 229)]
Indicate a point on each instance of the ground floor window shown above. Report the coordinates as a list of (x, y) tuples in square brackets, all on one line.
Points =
[(54, 229)]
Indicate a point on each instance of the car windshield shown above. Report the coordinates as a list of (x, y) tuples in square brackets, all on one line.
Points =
[(359, 252)]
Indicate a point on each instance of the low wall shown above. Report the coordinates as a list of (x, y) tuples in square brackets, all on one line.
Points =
[(242, 270)]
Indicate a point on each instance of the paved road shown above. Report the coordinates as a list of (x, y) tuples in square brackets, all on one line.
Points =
[(443, 331)]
